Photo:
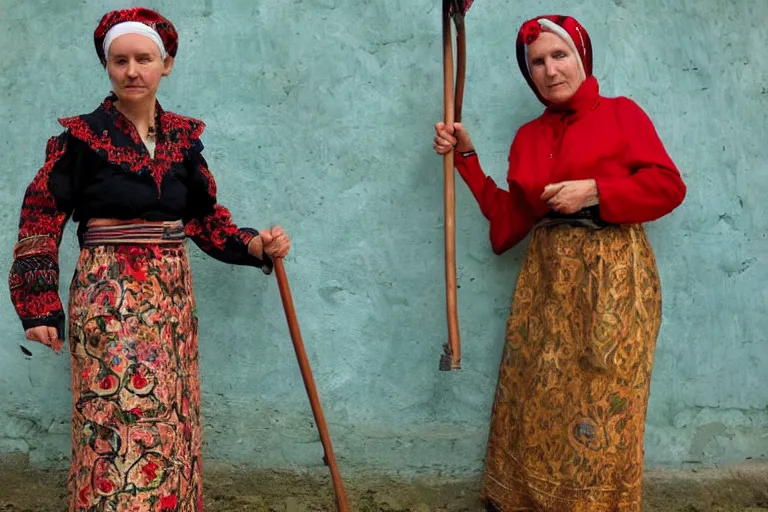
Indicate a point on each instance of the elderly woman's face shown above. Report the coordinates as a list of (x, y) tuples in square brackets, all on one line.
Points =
[(135, 68), (554, 68)]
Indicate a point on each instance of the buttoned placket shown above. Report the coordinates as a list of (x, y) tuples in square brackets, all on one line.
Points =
[(557, 143)]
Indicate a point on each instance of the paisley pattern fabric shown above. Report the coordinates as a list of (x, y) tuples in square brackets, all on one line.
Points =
[(136, 428), (569, 413)]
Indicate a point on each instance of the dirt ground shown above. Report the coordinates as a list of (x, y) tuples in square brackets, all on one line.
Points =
[(743, 489)]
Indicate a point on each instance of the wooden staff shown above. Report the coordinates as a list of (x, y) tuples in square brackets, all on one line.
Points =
[(451, 357), (309, 384)]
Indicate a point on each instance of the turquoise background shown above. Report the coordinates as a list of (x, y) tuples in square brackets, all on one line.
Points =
[(320, 117)]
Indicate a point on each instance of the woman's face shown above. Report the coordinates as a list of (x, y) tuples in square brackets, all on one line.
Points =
[(554, 68), (135, 68)]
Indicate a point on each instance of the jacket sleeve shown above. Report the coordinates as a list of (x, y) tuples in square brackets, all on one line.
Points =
[(508, 212), (209, 224), (46, 207), (649, 185)]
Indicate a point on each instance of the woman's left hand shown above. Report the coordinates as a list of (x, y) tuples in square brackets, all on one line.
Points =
[(274, 242), (570, 196)]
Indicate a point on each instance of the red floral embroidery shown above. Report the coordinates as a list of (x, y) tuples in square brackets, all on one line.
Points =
[(34, 276), (202, 165), (105, 486), (168, 502), (30, 305), (149, 471), (149, 17), (83, 496), (214, 230), (40, 215), (136, 273), (529, 32), (108, 382), (136, 412), (133, 266), (103, 144), (139, 381), (176, 135)]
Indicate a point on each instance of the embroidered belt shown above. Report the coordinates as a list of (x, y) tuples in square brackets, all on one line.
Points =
[(135, 234)]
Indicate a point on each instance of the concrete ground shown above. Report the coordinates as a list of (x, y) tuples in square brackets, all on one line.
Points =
[(741, 488)]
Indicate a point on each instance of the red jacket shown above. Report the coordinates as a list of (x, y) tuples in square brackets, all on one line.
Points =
[(609, 139)]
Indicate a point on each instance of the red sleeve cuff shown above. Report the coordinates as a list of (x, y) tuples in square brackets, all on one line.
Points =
[(471, 172)]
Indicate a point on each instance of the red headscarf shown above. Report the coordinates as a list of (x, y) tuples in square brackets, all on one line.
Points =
[(148, 17), (569, 30)]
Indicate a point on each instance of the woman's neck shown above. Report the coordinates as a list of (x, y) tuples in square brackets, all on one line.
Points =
[(583, 99), (142, 115)]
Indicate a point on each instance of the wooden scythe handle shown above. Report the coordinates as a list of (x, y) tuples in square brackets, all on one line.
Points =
[(309, 384), (453, 348)]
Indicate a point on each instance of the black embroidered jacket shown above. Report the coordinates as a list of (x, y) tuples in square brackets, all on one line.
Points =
[(98, 167)]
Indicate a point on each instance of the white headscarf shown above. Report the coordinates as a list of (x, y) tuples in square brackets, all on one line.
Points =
[(133, 27)]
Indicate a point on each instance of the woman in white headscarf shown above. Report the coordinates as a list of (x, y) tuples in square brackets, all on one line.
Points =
[(133, 176)]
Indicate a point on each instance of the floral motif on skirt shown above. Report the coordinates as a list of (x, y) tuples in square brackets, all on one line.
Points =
[(136, 426)]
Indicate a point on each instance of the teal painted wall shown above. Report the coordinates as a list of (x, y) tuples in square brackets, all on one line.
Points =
[(320, 118)]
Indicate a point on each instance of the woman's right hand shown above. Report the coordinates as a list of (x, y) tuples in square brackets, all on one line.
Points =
[(449, 138), (48, 336)]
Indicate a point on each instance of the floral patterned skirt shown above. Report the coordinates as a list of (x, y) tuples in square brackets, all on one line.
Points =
[(136, 427), (569, 413)]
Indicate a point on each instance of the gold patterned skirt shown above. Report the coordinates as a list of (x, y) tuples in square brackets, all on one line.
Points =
[(136, 426), (569, 413)]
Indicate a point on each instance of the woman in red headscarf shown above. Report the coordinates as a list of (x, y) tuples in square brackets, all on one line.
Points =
[(569, 413), (133, 176)]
